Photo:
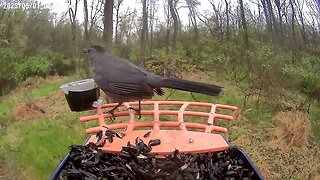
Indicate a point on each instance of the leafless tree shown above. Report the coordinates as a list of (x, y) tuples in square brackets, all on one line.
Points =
[(244, 24), (168, 23), (144, 30), (300, 5), (219, 19), (117, 8), (108, 24), (174, 14), (72, 10), (192, 6), (152, 10), (293, 14), (279, 7), (86, 23), (227, 4), (96, 12), (314, 14)]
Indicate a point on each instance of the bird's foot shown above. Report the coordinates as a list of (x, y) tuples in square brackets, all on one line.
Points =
[(113, 117), (137, 110)]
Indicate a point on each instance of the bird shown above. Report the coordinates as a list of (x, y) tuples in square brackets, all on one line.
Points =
[(123, 81)]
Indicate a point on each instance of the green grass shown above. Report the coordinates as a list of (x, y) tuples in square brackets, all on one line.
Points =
[(34, 148), (8, 102), (42, 143), (6, 106), (315, 121), (37, 146)]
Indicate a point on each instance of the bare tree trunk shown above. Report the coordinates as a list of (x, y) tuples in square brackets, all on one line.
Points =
[(72, 16), (204, 20), (117, 7), (143, 38), (219, 20), (292, 20), (193, 17), (9, 29), (314, 32), (83, 64), (302, 26), (95, 9), (1, 86), (272, 17), (167, 41), (227, 16), (152, 19), (314, 7), (278, 6), (175, 26), (108, 24), (167, 14), (86, 23), (267, 16), (244, 25), (293, 31)]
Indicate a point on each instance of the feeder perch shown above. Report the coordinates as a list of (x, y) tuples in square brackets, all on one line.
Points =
[(188, 137)]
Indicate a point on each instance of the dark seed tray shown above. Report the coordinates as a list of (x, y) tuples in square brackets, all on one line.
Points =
[(89, 162)]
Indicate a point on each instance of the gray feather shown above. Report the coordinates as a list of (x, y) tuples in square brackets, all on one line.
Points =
[(124, 81)]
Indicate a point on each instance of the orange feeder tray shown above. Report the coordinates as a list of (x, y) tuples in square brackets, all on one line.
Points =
[(185, 136)]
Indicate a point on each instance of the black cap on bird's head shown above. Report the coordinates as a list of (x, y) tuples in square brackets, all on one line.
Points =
[(94, 48)]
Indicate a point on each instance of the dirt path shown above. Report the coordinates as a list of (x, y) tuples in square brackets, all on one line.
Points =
[(6, 171)]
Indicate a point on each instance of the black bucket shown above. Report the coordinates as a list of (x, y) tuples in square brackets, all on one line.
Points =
[(81, 94)]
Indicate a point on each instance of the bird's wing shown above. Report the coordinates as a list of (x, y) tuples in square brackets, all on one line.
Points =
[(118, 76), (128, 88), (115, 69)]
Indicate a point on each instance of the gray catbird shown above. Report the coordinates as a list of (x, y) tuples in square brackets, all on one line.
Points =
[(123, 81)]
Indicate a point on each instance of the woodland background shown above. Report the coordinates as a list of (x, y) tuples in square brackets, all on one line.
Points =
[(266, 54)]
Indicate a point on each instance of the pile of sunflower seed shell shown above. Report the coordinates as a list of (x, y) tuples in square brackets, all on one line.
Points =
[(135, 162)]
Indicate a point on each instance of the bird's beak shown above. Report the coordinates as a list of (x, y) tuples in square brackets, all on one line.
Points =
[(85, 51)]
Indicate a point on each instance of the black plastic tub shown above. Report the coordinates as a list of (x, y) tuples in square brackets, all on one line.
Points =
[(239, 153), (247, 161), (62, 165), (81, 94)]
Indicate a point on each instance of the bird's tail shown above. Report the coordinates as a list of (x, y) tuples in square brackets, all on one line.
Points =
[(191, 86)]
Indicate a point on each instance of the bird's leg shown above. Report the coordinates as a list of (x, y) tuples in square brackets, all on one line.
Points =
[(112, 118), (111, 111), (137, 110)]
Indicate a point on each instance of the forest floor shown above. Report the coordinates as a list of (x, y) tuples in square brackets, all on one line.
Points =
[(37, 127)]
